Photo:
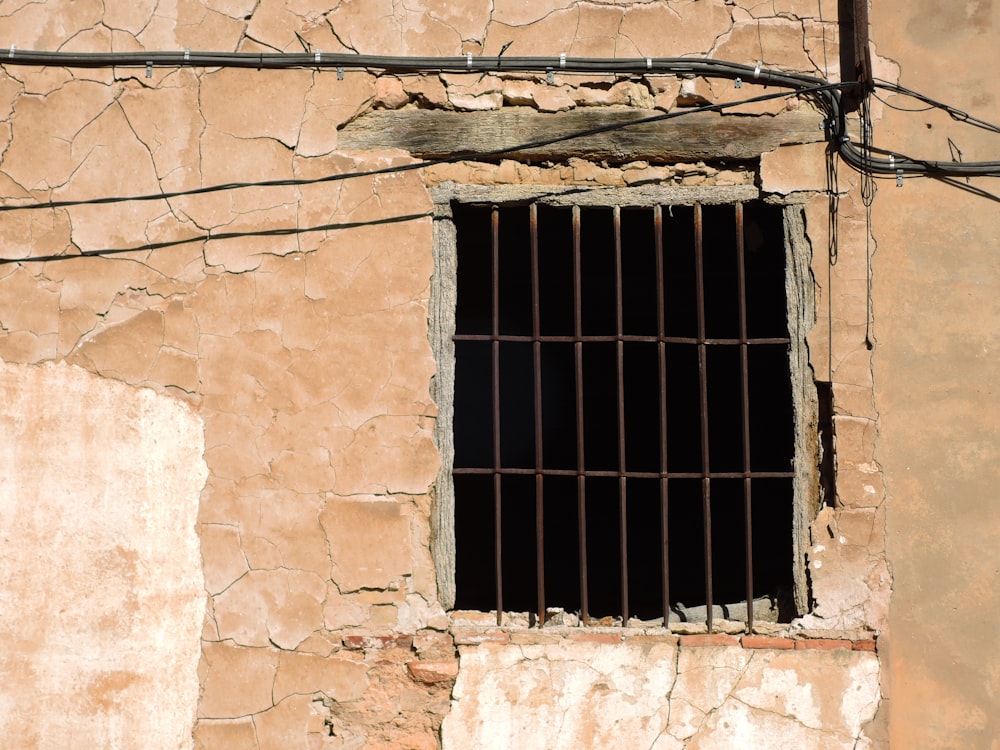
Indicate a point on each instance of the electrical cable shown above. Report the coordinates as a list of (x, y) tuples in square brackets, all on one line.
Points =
[(669, 66), (825, 95), (954, 112), (353, 175), (465, 156), (277, 232)]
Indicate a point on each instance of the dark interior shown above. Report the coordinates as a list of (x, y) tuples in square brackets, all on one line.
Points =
[(770, 408)]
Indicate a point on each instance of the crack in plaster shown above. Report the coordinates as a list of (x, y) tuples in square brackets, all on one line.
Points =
[(706, 715), (792, 717)]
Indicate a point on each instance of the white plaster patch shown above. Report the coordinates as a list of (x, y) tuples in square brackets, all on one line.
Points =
[(780, 690), (862, 696), (577, 695), (565, 696), (102, 598)]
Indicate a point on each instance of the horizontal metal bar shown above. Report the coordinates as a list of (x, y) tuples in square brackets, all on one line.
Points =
[(631, 474), (612, 339)]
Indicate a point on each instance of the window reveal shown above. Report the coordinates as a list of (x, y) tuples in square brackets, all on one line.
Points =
[(623, 412)]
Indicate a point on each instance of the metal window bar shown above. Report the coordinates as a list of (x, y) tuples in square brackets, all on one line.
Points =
[(536, 330), (706, 487), (581, 479), (581, 473), (661, 346), (622, 469), (497, 510), (745, 412)]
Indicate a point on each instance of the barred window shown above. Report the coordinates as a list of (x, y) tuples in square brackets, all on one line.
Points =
[(623, 411)]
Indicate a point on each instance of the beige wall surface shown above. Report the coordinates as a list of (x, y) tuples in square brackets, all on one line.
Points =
[(937, 276), (225, 446), (102, 600)]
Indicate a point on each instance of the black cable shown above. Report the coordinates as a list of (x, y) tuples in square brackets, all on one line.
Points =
[(278, 232), (887, 103), (826, 95), (954, 112), (397, 64), (466, 156)]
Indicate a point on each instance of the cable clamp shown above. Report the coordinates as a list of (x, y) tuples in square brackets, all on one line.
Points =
[(319, 56), (468, 60), (149, 68), (13, 49), (649, 63), (738, 83), (340, 72), (562, 59), (187, 54), (899, 178), (756, 70), (892, 161)]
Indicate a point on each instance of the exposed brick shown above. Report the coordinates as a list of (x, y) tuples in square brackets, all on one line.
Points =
[(653, 639), (432, 640), (377, 641), (762, 641), (534, 637), (868, 645), (474, 638), (713, 639), (596, 637), (433, 671), (821, 644)]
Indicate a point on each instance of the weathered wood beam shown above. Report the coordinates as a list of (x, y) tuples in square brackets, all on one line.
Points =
[(699, 136)]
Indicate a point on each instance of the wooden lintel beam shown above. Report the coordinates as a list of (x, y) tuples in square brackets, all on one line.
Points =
[(699, 136)]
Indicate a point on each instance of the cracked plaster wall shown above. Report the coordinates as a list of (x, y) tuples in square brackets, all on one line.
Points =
[(305, 355), (648, 692)]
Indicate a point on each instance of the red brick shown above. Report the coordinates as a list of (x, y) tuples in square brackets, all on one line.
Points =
[(653, 639), (377, 641), (762, 641), (821, 644), (433, 671), (713, 639), (596, 637), (864, 645), (431, 639), (474, 638)]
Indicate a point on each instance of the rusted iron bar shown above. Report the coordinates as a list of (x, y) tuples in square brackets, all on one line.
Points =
[(706, 487), (661, 346), (497, 511), (745, 411), (627, 338), (581, 481), (536, 346), (620, 356)]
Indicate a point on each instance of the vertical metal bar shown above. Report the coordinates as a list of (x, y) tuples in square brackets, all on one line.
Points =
[(706, 496), (536, 333), (620, 345), (581, 482), (497, 515), (662, 358), (745, 384)]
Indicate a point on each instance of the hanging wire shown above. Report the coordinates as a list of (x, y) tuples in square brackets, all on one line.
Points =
[(868, 191)]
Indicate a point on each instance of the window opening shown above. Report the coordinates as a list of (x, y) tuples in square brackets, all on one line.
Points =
[(623, 417)]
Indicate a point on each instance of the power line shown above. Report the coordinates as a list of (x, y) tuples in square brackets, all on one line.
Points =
[(825, 94), (464, 156)]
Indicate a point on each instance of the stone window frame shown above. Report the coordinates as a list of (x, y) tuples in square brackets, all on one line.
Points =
[(808, 493)]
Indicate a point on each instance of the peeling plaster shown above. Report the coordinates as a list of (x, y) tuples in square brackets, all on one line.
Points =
[(311, 433)]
